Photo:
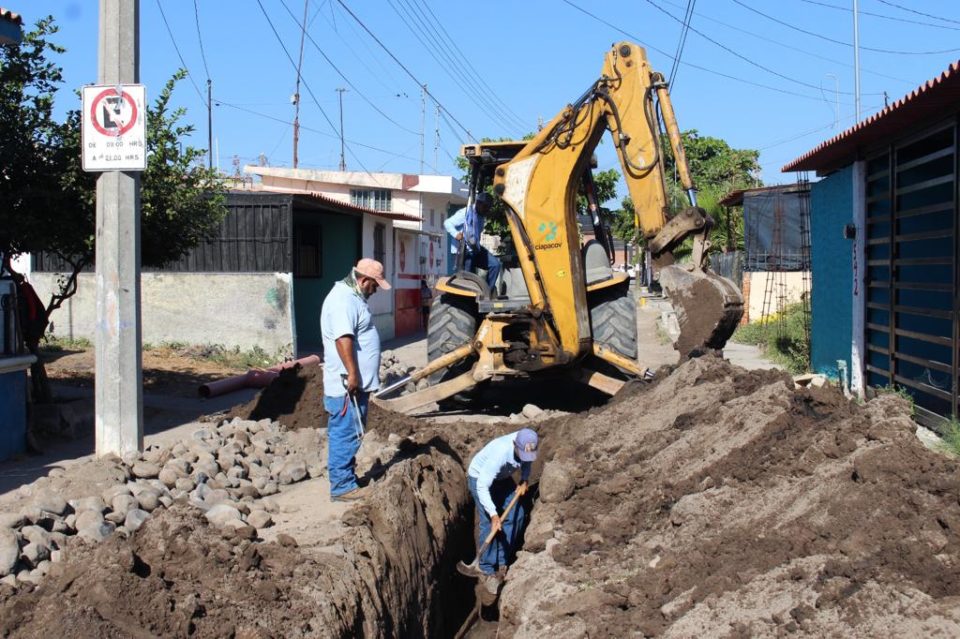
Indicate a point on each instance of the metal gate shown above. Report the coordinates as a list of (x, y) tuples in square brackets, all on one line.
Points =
[(911, 280)]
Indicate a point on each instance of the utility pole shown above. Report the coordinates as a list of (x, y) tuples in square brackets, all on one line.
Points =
[(423, 118), (436, 142), (210, 123), (856, 56), (119, 388), (296, 94), (343, 161)]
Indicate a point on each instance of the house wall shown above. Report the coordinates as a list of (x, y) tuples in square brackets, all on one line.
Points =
[(381, 303), (831, 208), (233, 309)]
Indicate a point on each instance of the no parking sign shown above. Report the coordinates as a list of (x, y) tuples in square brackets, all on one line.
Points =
[(114, 132)]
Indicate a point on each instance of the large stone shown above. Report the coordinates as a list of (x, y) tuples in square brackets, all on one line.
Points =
[(169, 477), (9, 551), (135, 518), (50, 502), (87, 519), (557, 482), (291, 472), (88, 503), (35, 535), (11, 520), (259, 519), (112, 491), (96, 532), (122, 503), (532, 411), (185, 484), (223, 515), (145, 470), (270, 488), (179, 466), (149, 500)]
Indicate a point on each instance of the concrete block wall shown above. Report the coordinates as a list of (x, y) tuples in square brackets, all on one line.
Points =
[(233, 309)]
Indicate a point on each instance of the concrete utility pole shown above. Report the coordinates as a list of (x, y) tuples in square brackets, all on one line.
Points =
[(119, 388), (296, 93), (343, 161)]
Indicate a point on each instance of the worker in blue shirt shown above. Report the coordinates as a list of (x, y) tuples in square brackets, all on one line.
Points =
[(465, 226), (490, 478)]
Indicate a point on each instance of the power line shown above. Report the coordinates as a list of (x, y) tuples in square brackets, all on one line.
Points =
[(342, 75), (403, 66), (737, 54), (880, 15), (203, 55), (840, 42), (490, 110), (919, 13), (782, 44), (684, 30), (179, 55), (721, 74), (455, 48), (473, 80), (307, 86)]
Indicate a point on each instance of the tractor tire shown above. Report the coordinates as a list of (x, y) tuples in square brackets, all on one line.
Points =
[(453, 323), (613, 319)]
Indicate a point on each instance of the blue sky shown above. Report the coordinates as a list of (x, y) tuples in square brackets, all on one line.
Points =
[(780, 82)]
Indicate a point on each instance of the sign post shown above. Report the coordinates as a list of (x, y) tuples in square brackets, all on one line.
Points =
[(114, 142)]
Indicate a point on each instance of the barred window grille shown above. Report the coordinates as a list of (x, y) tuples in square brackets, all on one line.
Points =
[(375, 199), (380, 243)]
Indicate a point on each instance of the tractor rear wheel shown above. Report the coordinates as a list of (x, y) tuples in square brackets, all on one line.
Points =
[(613, 318), (453, 323)]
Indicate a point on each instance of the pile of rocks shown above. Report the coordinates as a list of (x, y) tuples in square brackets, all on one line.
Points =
[(392, 369), (228, 471)]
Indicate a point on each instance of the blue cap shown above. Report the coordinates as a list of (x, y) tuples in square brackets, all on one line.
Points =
[(526, 443)]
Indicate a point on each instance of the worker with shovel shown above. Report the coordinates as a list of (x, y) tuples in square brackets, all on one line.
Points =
[(351, 370), (490, 478)]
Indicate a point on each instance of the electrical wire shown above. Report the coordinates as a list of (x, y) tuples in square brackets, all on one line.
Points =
[(919, 13), (489, 109), (405, 69), (183, 63), (352, 86), (310, 91), (721, 74), (203, 55), (782, 44), (741, 56), (684, 30), (840, 42), (455, 48), (880, 15)]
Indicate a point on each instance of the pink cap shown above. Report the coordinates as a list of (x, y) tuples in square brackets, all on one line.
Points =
[(374, 269)]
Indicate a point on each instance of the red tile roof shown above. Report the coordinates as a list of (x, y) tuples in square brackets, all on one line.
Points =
[(938, 98), (10, 16)]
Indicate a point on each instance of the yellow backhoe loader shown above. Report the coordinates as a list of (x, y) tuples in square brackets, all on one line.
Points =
[(565, 309)]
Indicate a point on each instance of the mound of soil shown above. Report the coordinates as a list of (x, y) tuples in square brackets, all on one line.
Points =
[(725, 503)]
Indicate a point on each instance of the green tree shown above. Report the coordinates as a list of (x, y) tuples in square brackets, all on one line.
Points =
[(48, 203)]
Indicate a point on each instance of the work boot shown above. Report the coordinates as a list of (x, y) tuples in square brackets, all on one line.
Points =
[(351, 495)]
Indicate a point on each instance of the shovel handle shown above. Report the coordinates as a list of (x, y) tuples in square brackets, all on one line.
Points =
[(493, 533)]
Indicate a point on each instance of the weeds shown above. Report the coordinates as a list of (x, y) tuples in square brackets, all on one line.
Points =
[(951, 436), (55, 344), (790, 349)]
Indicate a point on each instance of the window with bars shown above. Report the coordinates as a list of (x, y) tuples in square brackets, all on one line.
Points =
[(375, 199), (380, 243)]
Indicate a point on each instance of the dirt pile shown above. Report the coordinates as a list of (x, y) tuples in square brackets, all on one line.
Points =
[(724, 503)]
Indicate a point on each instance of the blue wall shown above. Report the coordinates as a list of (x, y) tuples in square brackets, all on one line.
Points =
[(831, 208)]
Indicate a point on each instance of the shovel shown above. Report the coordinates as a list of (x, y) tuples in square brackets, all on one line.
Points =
[(470, 569), (356, 408)]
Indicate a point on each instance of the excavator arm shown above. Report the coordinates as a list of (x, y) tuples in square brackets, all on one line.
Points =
[(540, 186)]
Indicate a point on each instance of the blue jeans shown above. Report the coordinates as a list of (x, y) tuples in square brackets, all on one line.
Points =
[(343, 440), (480, 257), (501, 550)]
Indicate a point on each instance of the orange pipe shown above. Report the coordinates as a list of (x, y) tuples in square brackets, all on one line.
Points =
[(253, 378)]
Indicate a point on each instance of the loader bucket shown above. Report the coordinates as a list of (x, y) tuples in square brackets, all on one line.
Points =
[(709, 307)]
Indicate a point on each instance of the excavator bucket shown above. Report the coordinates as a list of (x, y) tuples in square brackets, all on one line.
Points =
[(709, 307)]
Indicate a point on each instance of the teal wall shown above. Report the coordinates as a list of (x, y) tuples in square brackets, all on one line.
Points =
[(831, 208), (341, 250)]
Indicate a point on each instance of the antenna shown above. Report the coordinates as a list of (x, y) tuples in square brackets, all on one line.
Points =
[(296, 94), (343, 161)]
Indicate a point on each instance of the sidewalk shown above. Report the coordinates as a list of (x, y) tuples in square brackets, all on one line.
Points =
[(166, 418)]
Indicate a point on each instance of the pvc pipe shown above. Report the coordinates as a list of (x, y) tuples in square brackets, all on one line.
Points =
[(253, 378)]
